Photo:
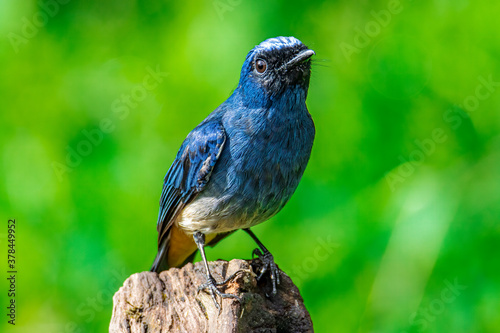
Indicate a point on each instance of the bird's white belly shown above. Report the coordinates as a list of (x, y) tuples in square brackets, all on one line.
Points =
[(201, 215)]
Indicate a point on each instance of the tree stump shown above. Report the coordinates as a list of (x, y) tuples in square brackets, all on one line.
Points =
[(170, 302)]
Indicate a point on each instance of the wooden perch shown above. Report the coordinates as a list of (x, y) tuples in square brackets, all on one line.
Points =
[(170, 302)]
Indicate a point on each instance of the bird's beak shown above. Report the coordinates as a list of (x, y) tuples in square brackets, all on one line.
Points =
[(302, 56)]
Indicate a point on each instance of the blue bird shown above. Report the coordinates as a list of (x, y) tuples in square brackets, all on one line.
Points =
[(241, 165)]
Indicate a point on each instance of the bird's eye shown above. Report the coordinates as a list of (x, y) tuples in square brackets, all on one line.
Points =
[(260, 66)]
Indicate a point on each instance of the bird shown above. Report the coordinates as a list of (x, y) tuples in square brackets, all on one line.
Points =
[(241, 165)]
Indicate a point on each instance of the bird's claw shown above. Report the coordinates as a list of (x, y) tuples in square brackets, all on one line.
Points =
[(211, 285), (268, 265)]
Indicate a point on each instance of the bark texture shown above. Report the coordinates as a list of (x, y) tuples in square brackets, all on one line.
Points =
[(170, 302)]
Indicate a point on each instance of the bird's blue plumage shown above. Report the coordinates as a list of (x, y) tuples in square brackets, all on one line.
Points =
[(242, 164), (190, 170)]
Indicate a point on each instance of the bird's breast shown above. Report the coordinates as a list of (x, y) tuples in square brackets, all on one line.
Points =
[(266, 158), (258, 171)]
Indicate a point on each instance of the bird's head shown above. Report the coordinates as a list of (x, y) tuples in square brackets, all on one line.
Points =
[(275, 66)]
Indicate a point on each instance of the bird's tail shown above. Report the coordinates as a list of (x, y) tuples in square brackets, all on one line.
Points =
[(176, 249), (160, 263)]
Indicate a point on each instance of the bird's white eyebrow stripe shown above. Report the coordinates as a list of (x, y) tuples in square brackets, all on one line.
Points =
[(277, 43)]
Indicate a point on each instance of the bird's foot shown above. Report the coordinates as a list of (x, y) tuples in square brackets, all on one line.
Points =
[(211, 286), (268, 265)]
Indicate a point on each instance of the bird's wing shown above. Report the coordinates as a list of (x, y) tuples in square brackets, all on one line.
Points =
[(190, 172)]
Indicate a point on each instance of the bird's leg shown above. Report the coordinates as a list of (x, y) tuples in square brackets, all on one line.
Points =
[(268, 261), (211, 284)]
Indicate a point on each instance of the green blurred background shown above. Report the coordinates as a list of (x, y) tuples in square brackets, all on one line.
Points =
[(395, 226)]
